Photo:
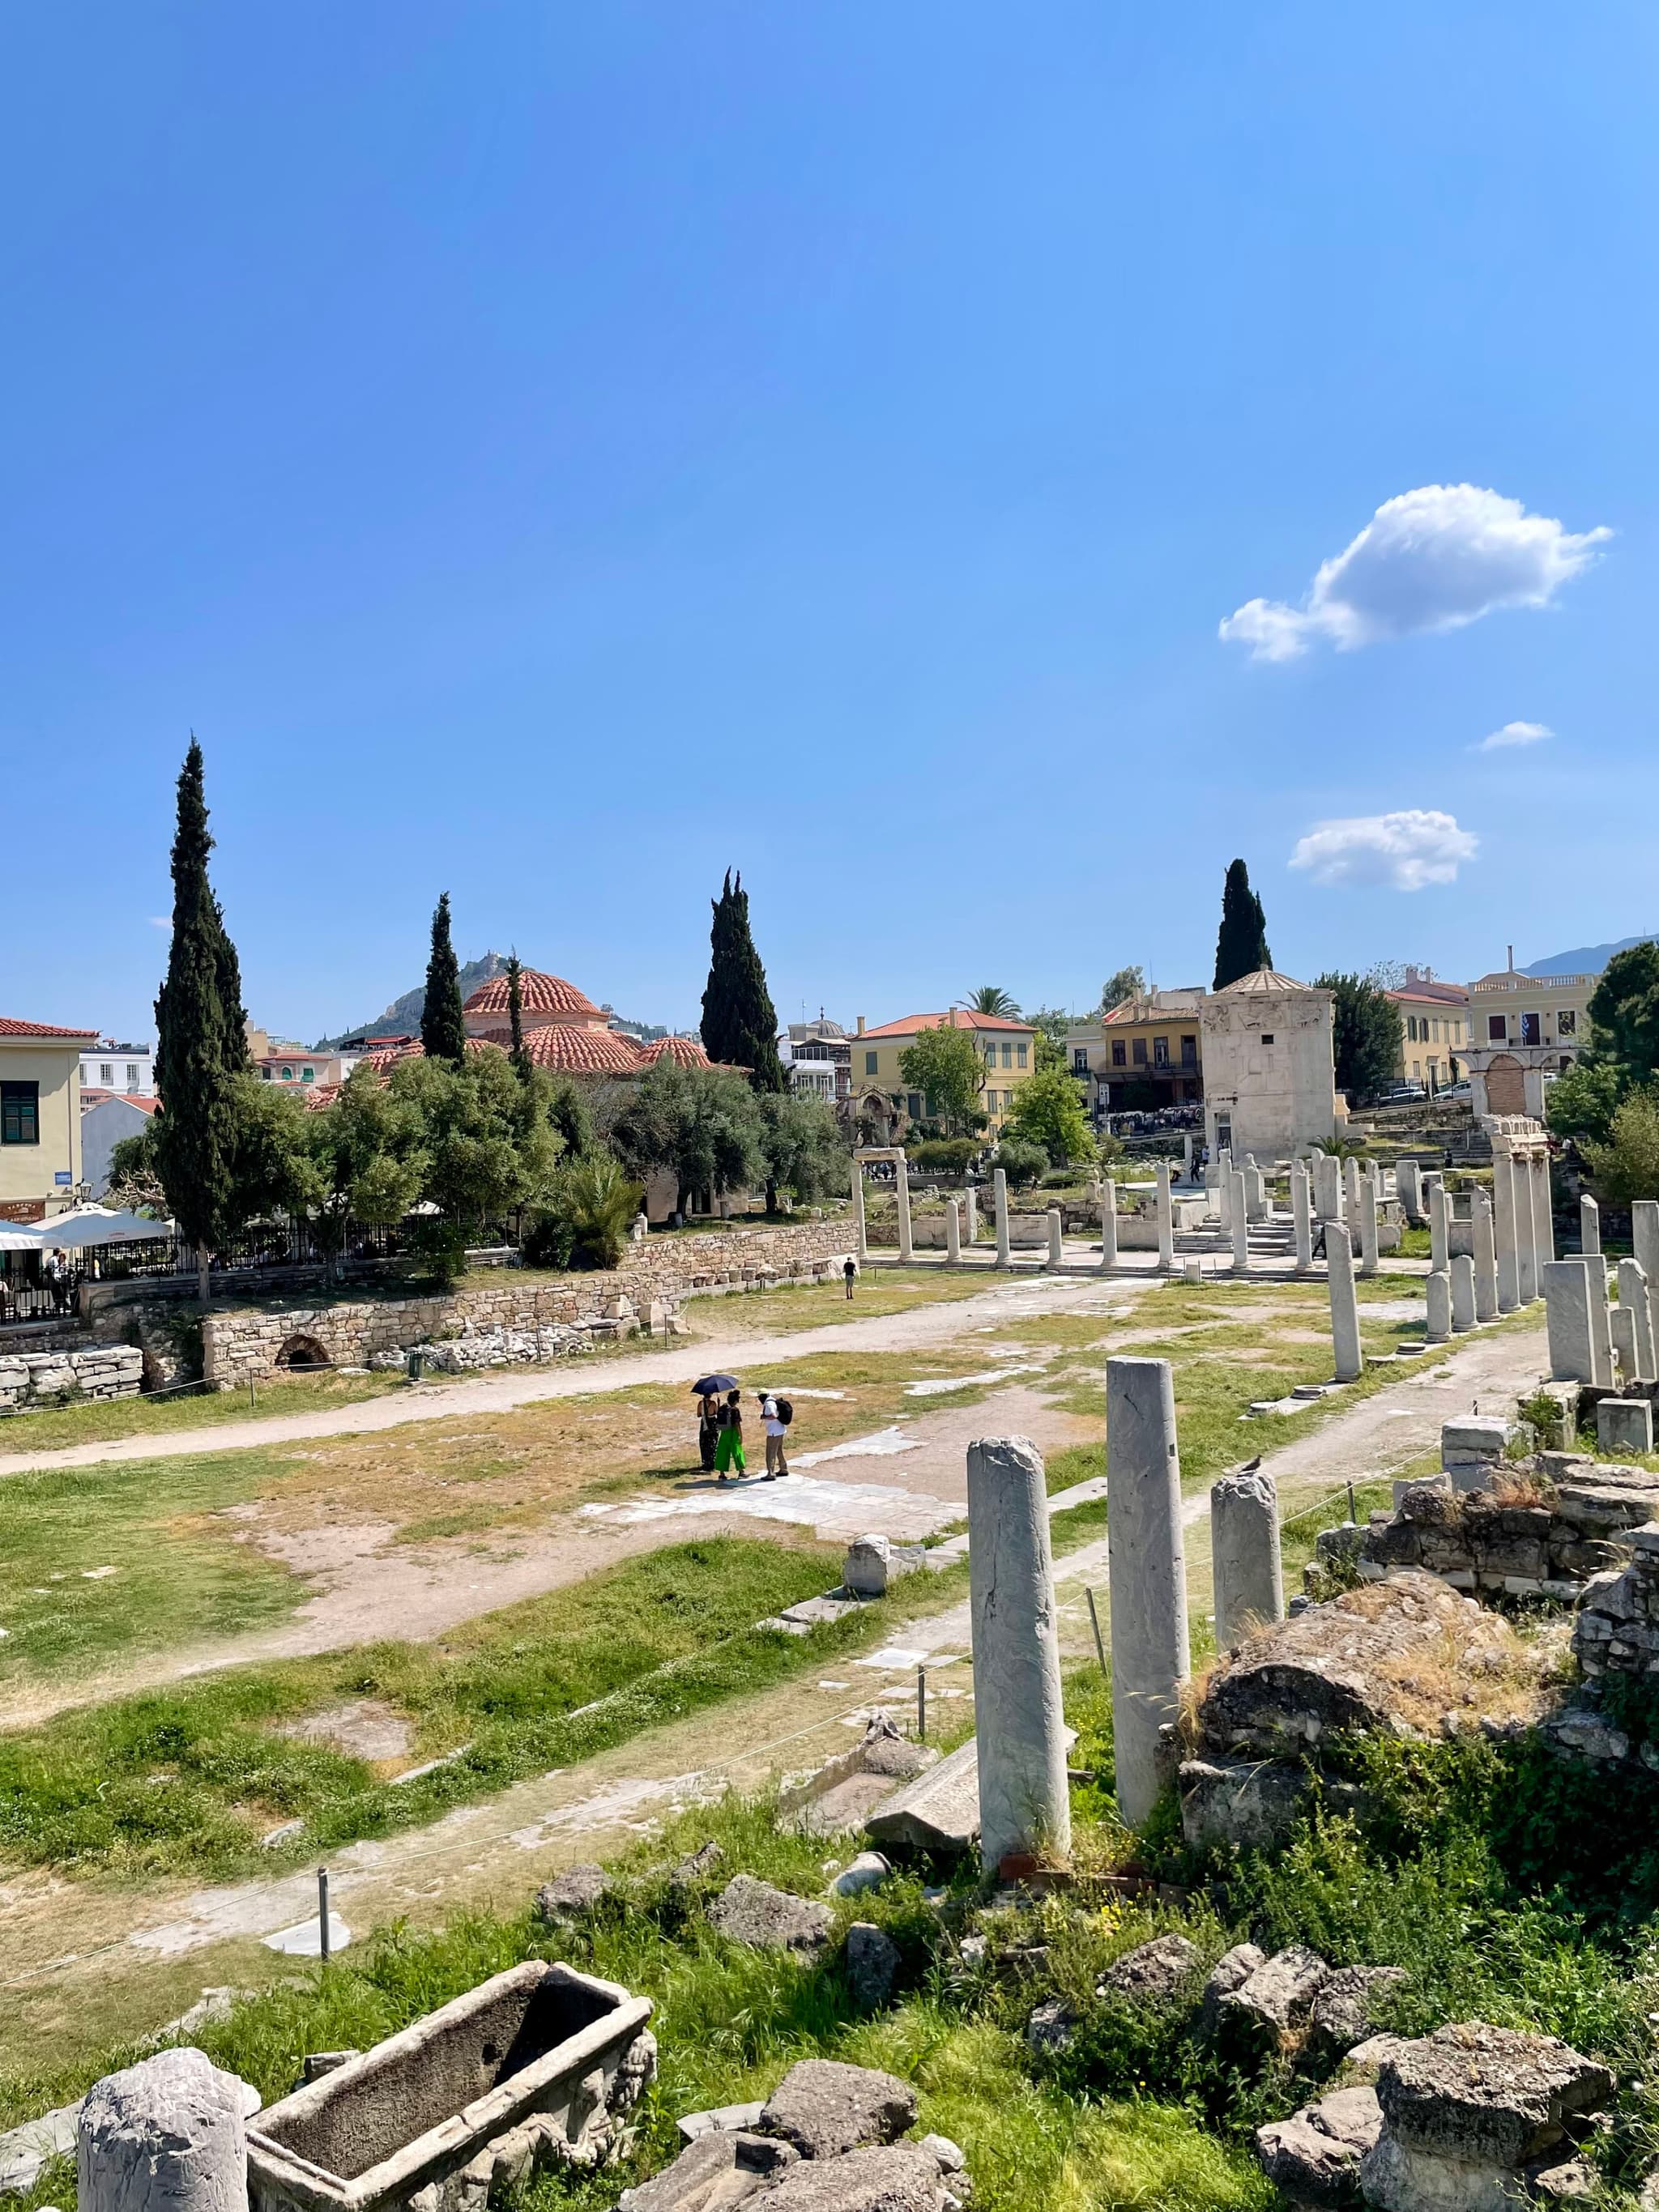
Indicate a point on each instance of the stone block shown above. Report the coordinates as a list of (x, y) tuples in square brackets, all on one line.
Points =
[(1314, 2156), (768, 1919), (891, 2178), (719, 2169), (1153, 1973), (1625, 1424), (823, 2108)]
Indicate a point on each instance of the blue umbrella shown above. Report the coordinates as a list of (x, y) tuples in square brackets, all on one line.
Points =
[(712, 1385)]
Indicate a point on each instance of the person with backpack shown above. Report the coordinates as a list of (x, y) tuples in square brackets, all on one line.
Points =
[(728, 1451), (776, 1414)]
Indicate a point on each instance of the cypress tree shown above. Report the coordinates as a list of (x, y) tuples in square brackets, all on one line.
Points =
[(739, 1026), (200, 1047), (1240, 947), (518, 1056), (443, 1029)]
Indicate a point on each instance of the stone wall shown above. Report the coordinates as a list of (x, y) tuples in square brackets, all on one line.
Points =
[(247, 1344), (1543, 1541), (104, 1371)]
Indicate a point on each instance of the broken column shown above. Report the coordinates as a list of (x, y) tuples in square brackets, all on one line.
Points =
[(1439, 1228), (1506, 1231), (165, 2136), (1590, 1225), (1019, 1723), (1255, 1189), (1437, 1299), (970, 1216), (1485, 1257), (1369, 1245), (1165, 1221), (1635, 1298), (1569, 1319), (1463, 1294), (1108, 1226), (1146, 1569), (902, 1194), (863, 1241), (1328, 1187), (1406, 1190), (1344, 1307), (1350, 1187), (999, 1198), (1249, 1584), (1543, 1211), (1601, 1323), (952, 1231), (1622, 1324), (1187, 1157), (1301, 1216), (1056, 1236), (1241, 1221)]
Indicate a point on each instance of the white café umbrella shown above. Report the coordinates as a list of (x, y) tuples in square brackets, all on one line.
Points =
[(94, 1224), (15, 1237)]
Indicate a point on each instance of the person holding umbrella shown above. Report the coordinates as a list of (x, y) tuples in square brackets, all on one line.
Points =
[(709, 1390)]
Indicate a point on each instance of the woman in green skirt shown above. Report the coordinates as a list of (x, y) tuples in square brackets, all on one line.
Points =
[(728, 1452)]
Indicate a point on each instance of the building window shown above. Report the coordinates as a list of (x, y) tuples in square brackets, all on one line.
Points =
[(307, 1075), (1495, 1033), (1266, 1037), (1120, 1056), (1020, 1053), (913, 1105), (1007, 1053), (1079, 1060), (1189, 1052), (132, 1075), (1140, 1052), (1160, 1052), (870, 1059), (19, 1113), (288, 1075), (264, 1075), (1567, 1022), (106, 1076), (1531, 1030)]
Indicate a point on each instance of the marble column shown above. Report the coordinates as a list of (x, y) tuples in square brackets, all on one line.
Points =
[(1302, 1215), (1056, 1236), (863, 1241), (1000, 1197), (1436, 1298), (952, 1232), (1407, 1192), (1485, 1257), (1543, 1211), (1249, 1583), (1108, 1226), (1570, 1319), (1350, 1187), (1590, 1225), (1463, 1294), (970, 1216), (902, 1194), (1505, 1229), (1241, 1220), (1439, 1229), (1600, 1323), (1635, 1297), (1368, 1237), (1187, 1157), (166, 2135), (1165, 1221), (1344, 1307), (1146, 1570), (1024, 1805), (1526, 1253)]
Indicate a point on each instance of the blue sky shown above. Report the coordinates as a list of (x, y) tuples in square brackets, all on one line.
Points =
[(552, 454)]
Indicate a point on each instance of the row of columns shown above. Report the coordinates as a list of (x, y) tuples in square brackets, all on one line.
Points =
[(1590, 1340)]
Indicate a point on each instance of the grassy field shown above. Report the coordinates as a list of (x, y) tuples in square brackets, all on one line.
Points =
[(52, 1427)]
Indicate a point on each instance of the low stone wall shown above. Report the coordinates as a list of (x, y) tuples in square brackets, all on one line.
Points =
[(245, 1344), (104, 1371), (1547, 1544)]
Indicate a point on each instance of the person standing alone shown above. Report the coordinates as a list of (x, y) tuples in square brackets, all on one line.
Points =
[(850, 1273), (776, 1429)]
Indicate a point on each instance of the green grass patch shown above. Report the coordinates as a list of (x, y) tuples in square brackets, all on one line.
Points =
[(55, 1427)]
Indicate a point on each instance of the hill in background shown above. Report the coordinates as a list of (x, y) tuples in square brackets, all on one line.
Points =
[(403, 1016), (1587, 959)]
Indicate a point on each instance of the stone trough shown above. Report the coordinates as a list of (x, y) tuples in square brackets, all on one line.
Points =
[(536, 2063)]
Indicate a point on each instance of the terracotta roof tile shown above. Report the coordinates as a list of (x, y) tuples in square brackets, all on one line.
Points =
[(548, 996), (683, 1051), (11, 1027), (568, 1049), (964, 1020)]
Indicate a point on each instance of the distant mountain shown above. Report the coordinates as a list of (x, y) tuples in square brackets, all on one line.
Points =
[(403, 1016), (1588, 959)]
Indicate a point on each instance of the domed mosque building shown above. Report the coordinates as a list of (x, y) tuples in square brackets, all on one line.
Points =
[(563, 1031)]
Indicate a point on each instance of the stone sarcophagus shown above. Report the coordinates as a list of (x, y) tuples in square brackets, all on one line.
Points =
[(540, 2064)]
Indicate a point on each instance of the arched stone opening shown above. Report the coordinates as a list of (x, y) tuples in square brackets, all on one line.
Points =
[(299, 1352)]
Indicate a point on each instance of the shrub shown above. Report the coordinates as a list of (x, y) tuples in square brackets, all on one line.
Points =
[(950, 1155), (1021, 1161), (593, 1205), (436, 1250)]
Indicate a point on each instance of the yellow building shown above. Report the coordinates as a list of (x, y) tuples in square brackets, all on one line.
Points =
[(1007, 1051), (1525, 1031), (39, 1117), (1434, 1030), (1147, 1053)]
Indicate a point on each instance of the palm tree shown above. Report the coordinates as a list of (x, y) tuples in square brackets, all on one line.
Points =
[(991, 999), (599, 1205)]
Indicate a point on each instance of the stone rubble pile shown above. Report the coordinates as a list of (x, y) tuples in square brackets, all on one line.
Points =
[(830, 2138), (110, 1370), (1544, 1541), (496, 1347)]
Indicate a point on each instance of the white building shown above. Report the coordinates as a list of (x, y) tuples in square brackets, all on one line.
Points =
[(1269, 1068), (104, 1121), (128, 1068), (817, 1058)]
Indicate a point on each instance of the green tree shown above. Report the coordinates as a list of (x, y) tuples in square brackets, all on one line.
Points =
[(1022, 1160), (1583, 1098), (740, 1024), (1047, 1111), (201, 1050), (588, 1213), (1364, 1033), (1626, 1166), (1125, 984), (368, 1155), (703, 1124), (1624, 1011), (1052, 1025), (1240, 945), (516, 1053), (491, 1148), (572, 1118), (945, 1065), (804, 1150), (443, 1027), (991, 999)]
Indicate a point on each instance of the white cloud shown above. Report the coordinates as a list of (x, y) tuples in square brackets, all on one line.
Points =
[(1514, 734), (1392, 852), (161, 922), (1433, 559)]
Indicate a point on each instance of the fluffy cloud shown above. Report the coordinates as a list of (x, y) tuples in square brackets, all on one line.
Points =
[(1392, 852), (1433, 559), (1514, 734)]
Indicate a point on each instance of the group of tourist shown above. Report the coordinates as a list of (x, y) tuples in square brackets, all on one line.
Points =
[(720, 1433)]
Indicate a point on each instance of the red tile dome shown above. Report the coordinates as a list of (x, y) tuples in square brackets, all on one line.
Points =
[(545, 999)]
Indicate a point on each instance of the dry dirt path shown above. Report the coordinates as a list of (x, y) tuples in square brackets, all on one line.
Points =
[(1005, 1298), (84, 1962)]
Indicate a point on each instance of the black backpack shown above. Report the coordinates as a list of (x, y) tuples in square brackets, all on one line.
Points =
[(786, 1410)]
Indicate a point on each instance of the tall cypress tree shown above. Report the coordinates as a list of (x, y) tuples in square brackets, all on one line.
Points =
[(443, 1029), (740, 1025), (1240, 947), (200, 1047), (519, 1057)]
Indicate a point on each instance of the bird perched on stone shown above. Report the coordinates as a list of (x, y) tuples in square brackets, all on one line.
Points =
[(1250, 1465)]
